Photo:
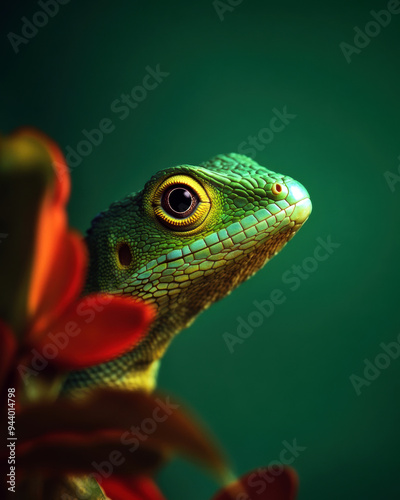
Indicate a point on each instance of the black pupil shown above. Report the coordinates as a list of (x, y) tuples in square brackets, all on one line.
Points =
[(180, 200)]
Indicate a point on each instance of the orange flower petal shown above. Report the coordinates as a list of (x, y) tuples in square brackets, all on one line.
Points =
[(94, 330), (50, 233), (269, 483), (63, 180), (7, 351), (27, 178), (65, 283), (52, 221), (131, 488)]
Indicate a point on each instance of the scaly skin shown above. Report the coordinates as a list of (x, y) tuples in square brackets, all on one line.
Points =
[(245, 216)]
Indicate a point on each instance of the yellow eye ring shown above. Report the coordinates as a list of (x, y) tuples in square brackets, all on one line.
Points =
[(181, 203)]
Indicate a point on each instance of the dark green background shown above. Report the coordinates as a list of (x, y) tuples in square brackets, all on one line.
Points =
[(290, 379)]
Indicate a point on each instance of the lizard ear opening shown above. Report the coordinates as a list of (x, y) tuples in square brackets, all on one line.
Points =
[(124, 255)]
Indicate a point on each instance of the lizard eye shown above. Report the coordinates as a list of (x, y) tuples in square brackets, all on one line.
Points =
[(181, 203)]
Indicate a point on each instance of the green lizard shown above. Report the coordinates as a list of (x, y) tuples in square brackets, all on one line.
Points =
[(187, 240)]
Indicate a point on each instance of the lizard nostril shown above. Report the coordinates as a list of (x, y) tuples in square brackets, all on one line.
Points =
[(124, 255), (276, 188)]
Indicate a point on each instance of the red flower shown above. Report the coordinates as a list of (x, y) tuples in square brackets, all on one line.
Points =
[(56, 277), (43, 264)]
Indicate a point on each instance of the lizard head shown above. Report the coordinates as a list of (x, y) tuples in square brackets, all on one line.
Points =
[(191, 236)]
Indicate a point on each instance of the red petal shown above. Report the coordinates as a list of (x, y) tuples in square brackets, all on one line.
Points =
[(7, 351), (131, 488), (65, 284), (268, 483), (96, 329), (114, 412)]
